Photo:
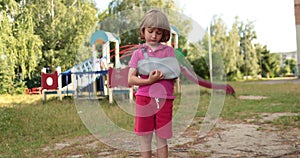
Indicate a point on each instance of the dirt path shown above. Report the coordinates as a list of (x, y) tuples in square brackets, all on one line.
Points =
[(227, 139), (245, 140)]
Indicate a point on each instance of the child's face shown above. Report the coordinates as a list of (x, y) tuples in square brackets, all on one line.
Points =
[(153, 35)]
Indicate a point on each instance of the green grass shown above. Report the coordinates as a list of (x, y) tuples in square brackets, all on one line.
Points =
[(27, 125), (288, 121), (283, 97)]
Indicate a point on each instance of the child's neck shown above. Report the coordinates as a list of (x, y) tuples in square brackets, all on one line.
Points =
[(153, 46)]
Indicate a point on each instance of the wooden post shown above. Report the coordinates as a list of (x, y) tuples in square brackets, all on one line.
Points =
[(117, 55), (59, 93)]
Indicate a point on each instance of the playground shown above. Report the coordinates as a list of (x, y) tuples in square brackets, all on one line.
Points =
[(64, 88), (253, 123), (106, 72)]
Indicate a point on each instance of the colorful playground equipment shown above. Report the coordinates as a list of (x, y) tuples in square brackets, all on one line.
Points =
[(107, 76), (55, 83), (93, 78), (34, 90)]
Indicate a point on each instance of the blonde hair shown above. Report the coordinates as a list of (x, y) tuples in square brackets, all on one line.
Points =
[(156, 19)]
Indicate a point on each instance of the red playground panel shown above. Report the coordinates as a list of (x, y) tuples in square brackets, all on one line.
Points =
[(50, 81), (35, 90)]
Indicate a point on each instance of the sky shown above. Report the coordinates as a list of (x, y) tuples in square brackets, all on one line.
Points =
[(274, 20)]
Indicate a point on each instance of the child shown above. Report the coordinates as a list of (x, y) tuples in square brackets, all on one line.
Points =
[(155, 95)]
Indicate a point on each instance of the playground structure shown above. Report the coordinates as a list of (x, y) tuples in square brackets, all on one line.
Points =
[(99, 77), (34, 90), (89, 78)]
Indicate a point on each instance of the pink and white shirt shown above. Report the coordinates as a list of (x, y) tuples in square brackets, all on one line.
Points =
[(163, 88)]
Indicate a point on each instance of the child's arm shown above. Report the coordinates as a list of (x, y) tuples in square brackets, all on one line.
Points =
[(133, 78)]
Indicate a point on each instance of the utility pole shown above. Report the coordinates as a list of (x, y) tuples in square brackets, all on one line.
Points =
[(52, 9), (210, 53), (246, 58), (297, 19)]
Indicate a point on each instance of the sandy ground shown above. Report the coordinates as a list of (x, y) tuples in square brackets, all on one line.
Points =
[(246, 140), (227, 139)]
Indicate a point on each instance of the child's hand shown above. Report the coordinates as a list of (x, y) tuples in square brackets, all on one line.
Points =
[(155, 75)]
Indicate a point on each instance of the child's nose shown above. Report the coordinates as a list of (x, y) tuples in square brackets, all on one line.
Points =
[(154, 35)]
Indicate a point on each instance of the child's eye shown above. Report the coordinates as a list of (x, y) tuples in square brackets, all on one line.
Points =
[(150, 30), (159, 33)]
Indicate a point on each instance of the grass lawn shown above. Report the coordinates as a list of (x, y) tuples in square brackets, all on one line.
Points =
[(281, 97), (27, 125)]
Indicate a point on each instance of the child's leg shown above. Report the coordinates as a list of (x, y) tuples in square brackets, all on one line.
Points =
[(146, 145), (162, 147)]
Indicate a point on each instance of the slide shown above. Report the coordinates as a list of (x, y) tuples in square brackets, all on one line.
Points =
[(190, 74), (85, 76)]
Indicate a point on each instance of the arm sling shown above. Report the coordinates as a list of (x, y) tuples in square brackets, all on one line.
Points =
[(168, 66)]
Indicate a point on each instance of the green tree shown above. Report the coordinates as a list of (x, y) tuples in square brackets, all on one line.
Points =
[(20, 47), (63, 27), (291, 65), (28, 45), (197, 57), (232, 57), (224, 44), (247, 35), (7, 56), (123, 18), (38, 33), (269, 63), (233, 48), (217, 44), (274, 61)]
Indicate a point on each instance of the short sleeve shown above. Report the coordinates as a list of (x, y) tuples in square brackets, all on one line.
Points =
[(133, 63), (170, 51)]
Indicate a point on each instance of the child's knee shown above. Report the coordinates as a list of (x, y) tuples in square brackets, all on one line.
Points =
[(161, 142), (146, 142)]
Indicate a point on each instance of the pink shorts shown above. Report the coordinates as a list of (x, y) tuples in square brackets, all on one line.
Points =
[(153, 114)]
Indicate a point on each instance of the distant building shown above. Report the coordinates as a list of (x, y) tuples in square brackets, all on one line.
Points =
[(287, 55)]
